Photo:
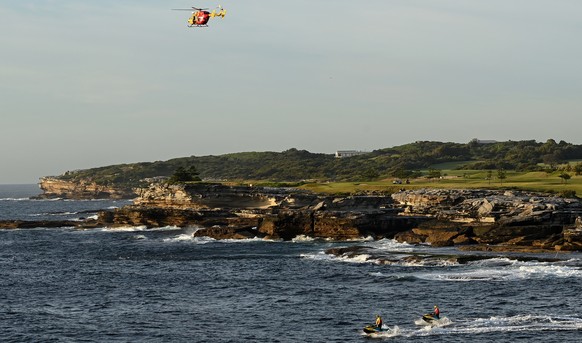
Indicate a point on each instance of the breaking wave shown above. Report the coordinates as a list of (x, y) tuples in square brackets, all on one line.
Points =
[(485, 325), (487, 270)]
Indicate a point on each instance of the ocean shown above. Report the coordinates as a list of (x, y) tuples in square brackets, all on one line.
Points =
[(135, 284)]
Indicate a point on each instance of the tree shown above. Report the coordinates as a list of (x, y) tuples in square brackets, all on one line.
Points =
[(184, 175), (501, 175), (565, 177), (473, 143), (551, 160), (434, 173), (489, 175)]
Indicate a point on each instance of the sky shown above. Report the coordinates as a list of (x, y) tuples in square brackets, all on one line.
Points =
[(87, 84)]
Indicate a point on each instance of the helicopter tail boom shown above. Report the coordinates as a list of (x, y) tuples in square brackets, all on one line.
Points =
[(221, 12)]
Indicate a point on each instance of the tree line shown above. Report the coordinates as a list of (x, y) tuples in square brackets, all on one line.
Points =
[(293, 165)]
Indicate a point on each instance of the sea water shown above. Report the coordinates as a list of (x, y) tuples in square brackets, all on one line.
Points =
[(164, 285)]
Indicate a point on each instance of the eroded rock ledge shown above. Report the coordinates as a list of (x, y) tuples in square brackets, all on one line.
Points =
[(275, 213), (492, 220), (53, 187)]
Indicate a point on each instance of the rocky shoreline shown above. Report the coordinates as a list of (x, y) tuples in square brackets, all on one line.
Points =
[(484, 220)]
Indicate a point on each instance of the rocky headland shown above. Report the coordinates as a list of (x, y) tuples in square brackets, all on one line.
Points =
[(472, 219), (487, 220)]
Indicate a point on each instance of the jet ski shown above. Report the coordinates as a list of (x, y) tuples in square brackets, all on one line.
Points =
[(429, 318), (369, 329)]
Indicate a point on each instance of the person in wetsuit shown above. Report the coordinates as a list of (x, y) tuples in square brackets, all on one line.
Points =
[(436, 312)]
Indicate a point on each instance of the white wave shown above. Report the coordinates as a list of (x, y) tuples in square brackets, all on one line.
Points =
[(319, 256), (189, 237), (472, 275), (360, 258), (390, 332), (46, 200), (575, 262), (360, 239), (124, 228), (392, 245), (53, 214), (504, 270), (322, 256), (444, 321), (493, 262), (137, 228), (14, 199), (247, 240), (302, 238), (497, 324), (542, 270), (518, 323)]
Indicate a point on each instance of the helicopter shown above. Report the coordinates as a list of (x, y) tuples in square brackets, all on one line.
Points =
[(201, 16)]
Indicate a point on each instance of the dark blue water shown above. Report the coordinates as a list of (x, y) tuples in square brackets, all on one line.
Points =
[(136, 285), (15, 204)]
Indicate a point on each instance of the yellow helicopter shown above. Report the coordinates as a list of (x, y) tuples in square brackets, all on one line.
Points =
[(201, 16)]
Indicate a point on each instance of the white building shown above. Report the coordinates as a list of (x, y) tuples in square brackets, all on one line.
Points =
[(348, 153)]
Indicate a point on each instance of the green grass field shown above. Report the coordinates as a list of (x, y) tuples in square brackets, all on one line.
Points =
[(532, 181)]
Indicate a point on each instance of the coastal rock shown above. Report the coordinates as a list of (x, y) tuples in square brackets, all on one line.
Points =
[(438, 234), (287, 225), (85, 189), (492, 217), (227, 233), (468, 218), (276, 213), (572, 240), (409, 237), (136, 215), (206, 196)]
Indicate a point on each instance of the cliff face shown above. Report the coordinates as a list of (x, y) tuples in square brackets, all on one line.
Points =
[(57, 188), (206, 196)]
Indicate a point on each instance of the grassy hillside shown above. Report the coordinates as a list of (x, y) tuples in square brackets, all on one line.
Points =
[(532, 181), (451, 163)]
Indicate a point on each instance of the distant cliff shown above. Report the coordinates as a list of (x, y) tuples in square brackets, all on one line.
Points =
[(53, 187)]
